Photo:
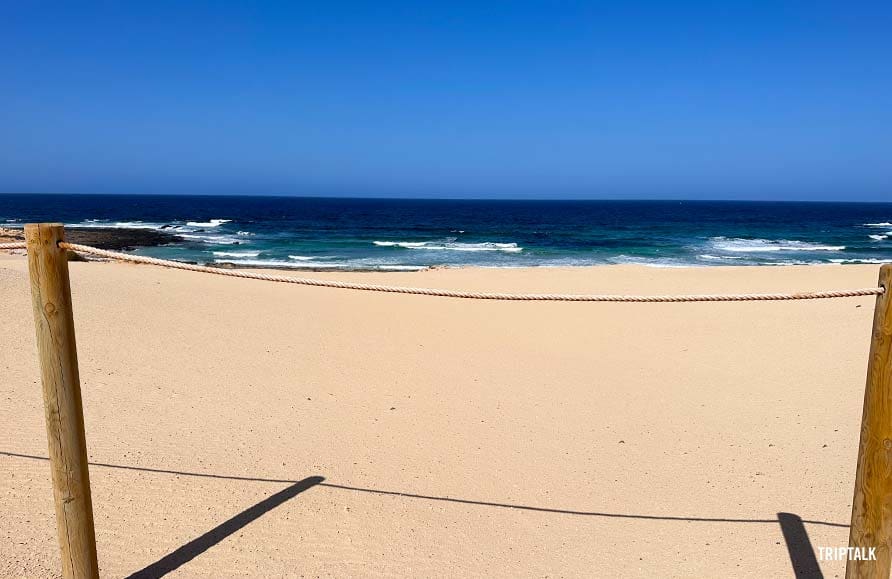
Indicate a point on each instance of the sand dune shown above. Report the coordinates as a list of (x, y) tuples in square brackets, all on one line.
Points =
[(455, 438)]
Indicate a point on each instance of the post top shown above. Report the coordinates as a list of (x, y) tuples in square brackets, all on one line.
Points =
[(44, 233), (50, 225)]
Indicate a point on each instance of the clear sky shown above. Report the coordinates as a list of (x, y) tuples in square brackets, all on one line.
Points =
[(760, 100)]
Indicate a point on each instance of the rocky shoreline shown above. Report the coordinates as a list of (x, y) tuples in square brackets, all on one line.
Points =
[(104, 238), (123, 239)]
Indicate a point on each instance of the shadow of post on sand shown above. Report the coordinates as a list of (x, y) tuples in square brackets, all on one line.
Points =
[(199, 545), (802, 554)]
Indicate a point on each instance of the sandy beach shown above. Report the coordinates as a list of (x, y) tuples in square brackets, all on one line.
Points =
[(455, 438)]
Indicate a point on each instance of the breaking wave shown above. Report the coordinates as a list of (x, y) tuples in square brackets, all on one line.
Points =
[(357, 265), (740, 245), (861, 260), (451, 246), (236, 253), (211, 223)]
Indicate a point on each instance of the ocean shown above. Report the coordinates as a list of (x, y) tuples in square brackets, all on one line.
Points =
[(411, 234)]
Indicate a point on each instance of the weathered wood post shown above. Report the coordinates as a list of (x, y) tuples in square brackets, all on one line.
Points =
[(51, 298), (872, 503)]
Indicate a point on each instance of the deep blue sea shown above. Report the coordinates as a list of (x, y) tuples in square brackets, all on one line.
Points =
[(378, 234)]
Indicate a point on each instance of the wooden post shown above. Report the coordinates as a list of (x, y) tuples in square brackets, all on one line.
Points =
[(872, 503), (51, 298)]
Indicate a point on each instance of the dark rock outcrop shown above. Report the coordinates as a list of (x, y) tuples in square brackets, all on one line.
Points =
[(105, 238)]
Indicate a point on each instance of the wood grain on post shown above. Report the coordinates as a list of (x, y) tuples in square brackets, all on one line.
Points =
[(872, 502), (51, 297)]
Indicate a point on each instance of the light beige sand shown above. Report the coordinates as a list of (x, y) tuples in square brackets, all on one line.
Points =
[(456, 438)]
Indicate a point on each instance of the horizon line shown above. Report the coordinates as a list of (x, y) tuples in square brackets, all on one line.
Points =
[(481, 198)]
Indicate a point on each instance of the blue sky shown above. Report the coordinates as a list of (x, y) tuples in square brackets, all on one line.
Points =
[(719, 100)]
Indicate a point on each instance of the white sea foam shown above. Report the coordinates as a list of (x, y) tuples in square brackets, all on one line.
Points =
[(790, 262), (102, 224), (451, 246), (244, 233), (740, 245), (405, 244), (623, 259), (236, 253), (106, 224), (192, 230), (311, 257), (862, 260), (400, 267), (709, 257), (211, 223), (883, 224), (879, 237), (214, 239), (138, 225), (279, 263), (179, 229)]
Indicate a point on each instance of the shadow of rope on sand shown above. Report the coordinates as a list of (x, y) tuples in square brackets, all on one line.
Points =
[(799, 547), (436, 498)]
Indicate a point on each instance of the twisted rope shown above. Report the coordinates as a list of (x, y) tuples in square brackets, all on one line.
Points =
[(872, 291), (16, 245)]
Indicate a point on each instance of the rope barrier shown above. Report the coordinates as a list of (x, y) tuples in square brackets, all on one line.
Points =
[(16, 245), (872, 291)]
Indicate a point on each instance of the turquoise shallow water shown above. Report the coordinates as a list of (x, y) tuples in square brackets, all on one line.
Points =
[(313, 233)]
